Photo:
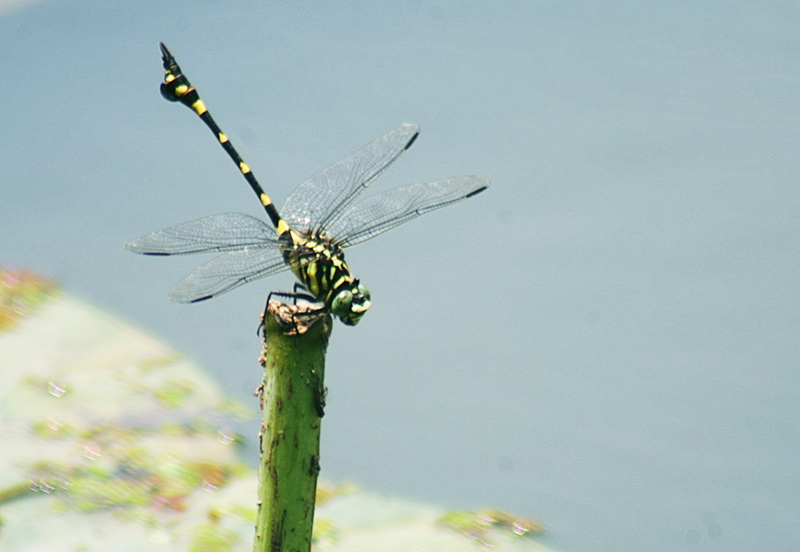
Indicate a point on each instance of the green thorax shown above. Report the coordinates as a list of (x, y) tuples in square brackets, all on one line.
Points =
[(318, 262)]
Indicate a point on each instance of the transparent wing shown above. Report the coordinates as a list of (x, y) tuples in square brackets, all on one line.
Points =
[(379, 213), (226, 232), (322, 199), (226, 272)]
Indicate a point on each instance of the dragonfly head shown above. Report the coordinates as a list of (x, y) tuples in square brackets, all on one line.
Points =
[(351, 303)]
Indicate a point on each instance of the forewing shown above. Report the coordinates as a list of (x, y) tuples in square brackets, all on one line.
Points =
[(384, 211), (227, 232), (322, 199), (226, 272)]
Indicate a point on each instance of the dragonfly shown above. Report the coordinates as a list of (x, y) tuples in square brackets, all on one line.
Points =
[(308, 236)]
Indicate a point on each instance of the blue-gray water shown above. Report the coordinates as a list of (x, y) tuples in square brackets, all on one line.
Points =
[(606, 340)]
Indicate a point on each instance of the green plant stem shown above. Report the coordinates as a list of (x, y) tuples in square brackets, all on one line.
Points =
[(293, 397)]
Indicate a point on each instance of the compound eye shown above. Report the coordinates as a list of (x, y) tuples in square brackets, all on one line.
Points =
[(341, 304), (361, 300)]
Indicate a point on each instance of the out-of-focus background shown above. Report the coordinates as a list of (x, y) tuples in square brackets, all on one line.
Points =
[(606, 340)]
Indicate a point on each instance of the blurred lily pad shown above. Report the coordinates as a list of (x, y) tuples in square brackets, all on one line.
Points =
[(112, 441)]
